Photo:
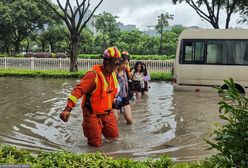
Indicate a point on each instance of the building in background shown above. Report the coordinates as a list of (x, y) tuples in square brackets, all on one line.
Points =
[(153, 32), (128, 27)]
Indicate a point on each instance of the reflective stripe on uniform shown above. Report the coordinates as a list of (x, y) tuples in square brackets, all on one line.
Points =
[(73, 98), (115, 79), (104, 81)]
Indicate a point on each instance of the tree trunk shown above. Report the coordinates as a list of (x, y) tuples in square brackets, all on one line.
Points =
[(228, 18), (27, 48), (43, 45), (7, 48), (73, 55), (105, 43), (17, 47), (52, 47), (160, 51), (215, 25)]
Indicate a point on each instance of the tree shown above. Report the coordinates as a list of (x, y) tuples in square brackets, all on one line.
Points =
[(23, 18), (75, 20), (213, 8), (54, 34), (177, 29), (4, 18), (150, 44), (131, 40), (162, 23), (170, 43), (87, 41), (106, 24), (243, 9)]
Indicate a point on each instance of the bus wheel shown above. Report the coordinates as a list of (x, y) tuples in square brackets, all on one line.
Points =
[(239, 88)]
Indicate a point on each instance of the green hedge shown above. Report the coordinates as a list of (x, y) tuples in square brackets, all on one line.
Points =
[(40, 73), (161, 76), (62, 159), (16, 56), (133, 57), (97, 56), (65, 74)]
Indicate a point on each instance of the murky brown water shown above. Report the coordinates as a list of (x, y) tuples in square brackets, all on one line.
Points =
[(168, 122)]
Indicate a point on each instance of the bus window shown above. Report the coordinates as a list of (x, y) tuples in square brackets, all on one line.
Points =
[(199, 51), (189, 51), (227, 52), (214, 52), (193, 52)]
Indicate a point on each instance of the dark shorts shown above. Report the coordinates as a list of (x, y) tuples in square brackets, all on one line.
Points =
[(119, 105), (136, 86)]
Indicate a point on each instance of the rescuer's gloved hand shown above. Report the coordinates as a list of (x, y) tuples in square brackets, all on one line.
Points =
[(65, 114)]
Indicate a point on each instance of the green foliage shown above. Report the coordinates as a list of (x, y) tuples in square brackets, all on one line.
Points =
[(8, 55), (40, 73), (62, 159), (65, 74), (133, 57), (131, 41), (53, 55), (90, 56), (21, 18), (13, 155), (196, 164), (231, 138), (177, 29), (86, 43), (4, 55), (161, 76), (163, 162), (107, 25), (55, 35), (163, 21)]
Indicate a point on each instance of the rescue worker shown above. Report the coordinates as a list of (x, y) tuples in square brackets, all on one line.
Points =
[(98, 89)]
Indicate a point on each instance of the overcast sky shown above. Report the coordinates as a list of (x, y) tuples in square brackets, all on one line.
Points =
[(145, 12)]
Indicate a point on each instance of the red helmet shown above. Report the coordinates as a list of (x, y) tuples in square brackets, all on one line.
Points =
[(111, 52)]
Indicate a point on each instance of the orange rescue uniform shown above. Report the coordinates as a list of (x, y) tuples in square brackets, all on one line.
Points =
[(98, 90)]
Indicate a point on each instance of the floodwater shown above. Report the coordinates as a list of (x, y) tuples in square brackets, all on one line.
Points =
[(174, 123)]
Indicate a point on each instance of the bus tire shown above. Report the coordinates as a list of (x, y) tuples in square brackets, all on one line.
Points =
[(239, 88)]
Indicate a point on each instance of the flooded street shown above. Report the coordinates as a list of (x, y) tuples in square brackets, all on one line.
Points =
[(174, 123)]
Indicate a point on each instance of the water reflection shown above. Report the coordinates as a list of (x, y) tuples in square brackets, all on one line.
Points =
[(168, 122)]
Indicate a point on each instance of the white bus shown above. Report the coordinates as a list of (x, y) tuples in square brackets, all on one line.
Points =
[(205, 58)]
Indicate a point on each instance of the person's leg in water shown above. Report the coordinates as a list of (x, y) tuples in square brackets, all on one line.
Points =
[(145, 93), (116, 113), (109, 127), (138, 94), (127, 111), (92, 130), (116, 110), (145, 90)]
